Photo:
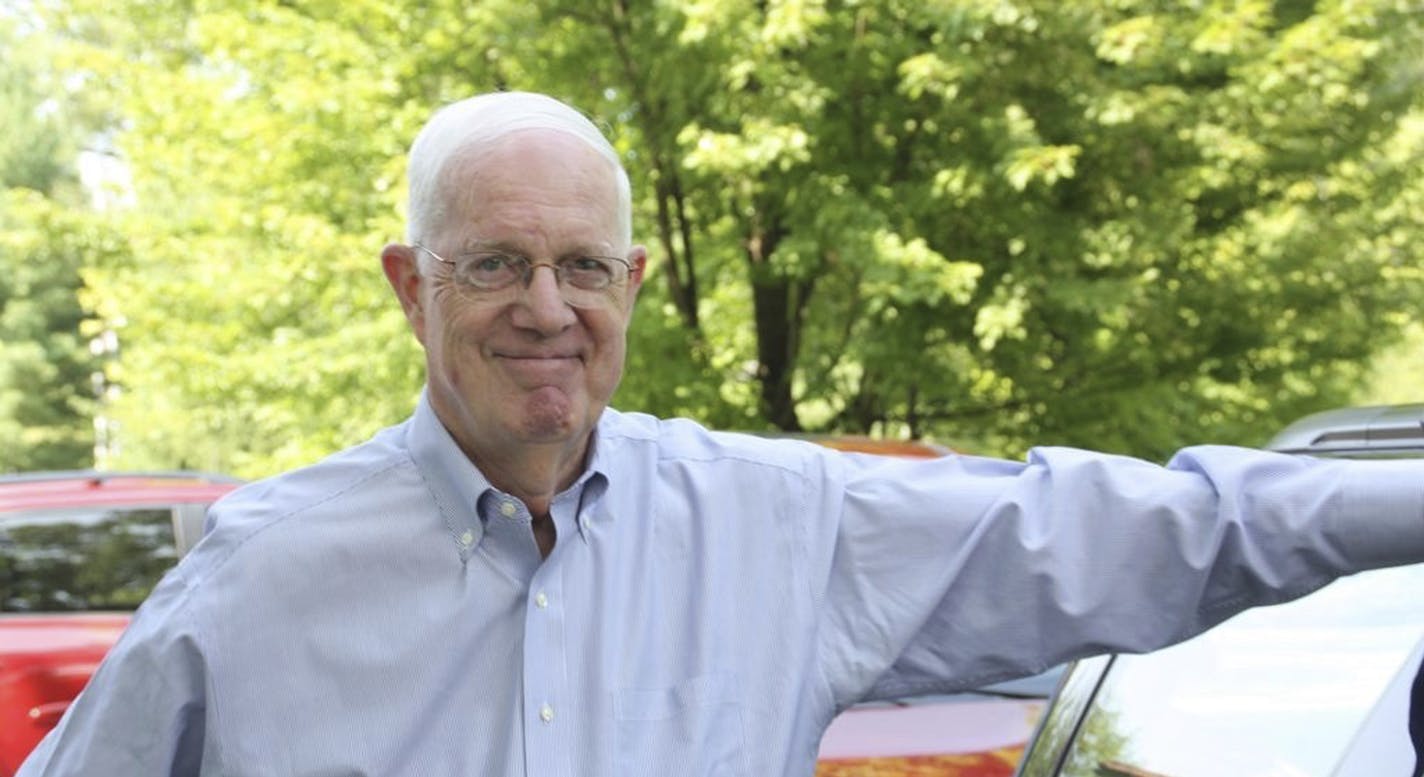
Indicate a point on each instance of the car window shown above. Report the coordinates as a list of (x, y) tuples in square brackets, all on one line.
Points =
[(1282, 690), (1060, 724), (83, 559)]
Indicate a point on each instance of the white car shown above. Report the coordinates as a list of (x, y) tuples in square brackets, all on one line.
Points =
[(1329, 685)]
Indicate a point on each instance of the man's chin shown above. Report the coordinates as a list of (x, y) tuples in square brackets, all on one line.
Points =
[(550, 415)]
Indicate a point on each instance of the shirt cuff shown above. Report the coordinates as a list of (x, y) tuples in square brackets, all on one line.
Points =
[(1381, 517)]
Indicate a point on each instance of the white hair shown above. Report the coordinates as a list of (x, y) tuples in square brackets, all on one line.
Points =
[(480, 120)]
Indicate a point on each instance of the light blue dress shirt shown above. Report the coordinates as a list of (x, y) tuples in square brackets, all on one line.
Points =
[(711, 603)]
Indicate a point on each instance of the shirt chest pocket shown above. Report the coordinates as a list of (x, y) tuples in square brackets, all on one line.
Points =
[(693, 728)]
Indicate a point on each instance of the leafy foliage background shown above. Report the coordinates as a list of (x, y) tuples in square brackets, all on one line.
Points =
[(1122, 224)]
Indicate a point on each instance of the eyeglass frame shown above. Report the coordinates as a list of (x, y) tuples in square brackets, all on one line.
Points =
[(527, 276)]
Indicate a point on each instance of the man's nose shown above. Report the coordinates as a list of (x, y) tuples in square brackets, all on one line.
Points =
[(544, 301)]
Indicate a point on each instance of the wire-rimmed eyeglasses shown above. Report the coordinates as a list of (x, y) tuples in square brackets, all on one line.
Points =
[(584, 280)]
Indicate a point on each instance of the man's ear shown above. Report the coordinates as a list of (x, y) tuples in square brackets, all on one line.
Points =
[(403, 271), (638, 259)]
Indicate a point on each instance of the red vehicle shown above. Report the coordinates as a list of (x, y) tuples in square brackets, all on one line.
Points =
[(78, 551)]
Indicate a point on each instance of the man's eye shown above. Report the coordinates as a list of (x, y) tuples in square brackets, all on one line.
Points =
[(491, 263), (586, 265), (488, 271)]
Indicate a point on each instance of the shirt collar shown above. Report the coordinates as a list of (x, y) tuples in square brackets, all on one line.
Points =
[(457, 484), (454, 481)]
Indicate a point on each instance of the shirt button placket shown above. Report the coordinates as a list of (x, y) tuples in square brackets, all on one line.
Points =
[(546, 686)]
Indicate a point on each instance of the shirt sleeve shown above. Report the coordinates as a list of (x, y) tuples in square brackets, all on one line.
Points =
[(143, 712), (949, 574)]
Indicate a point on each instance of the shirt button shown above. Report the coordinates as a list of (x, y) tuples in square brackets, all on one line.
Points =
[(467, 538), (546, 713), (507, 509), (540, 600)]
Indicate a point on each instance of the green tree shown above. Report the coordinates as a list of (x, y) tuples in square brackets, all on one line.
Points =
[(1123, 224), (46, 399), (1396, 373), (265, 146)]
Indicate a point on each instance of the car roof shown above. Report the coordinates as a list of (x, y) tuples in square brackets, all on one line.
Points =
[(42, 490), (859, 443), (883, 447), (1382, 430)]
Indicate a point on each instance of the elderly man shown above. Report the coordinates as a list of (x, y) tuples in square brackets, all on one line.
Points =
[(520, 581)]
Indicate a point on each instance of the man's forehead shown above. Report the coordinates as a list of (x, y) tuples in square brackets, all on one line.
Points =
[(531, 161), (537, 180), (525, 144)]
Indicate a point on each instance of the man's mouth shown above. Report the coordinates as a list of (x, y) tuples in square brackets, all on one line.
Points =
[(538, 368), (537, 357)]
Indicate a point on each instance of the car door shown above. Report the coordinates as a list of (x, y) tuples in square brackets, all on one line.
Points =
[(1313, 688)]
